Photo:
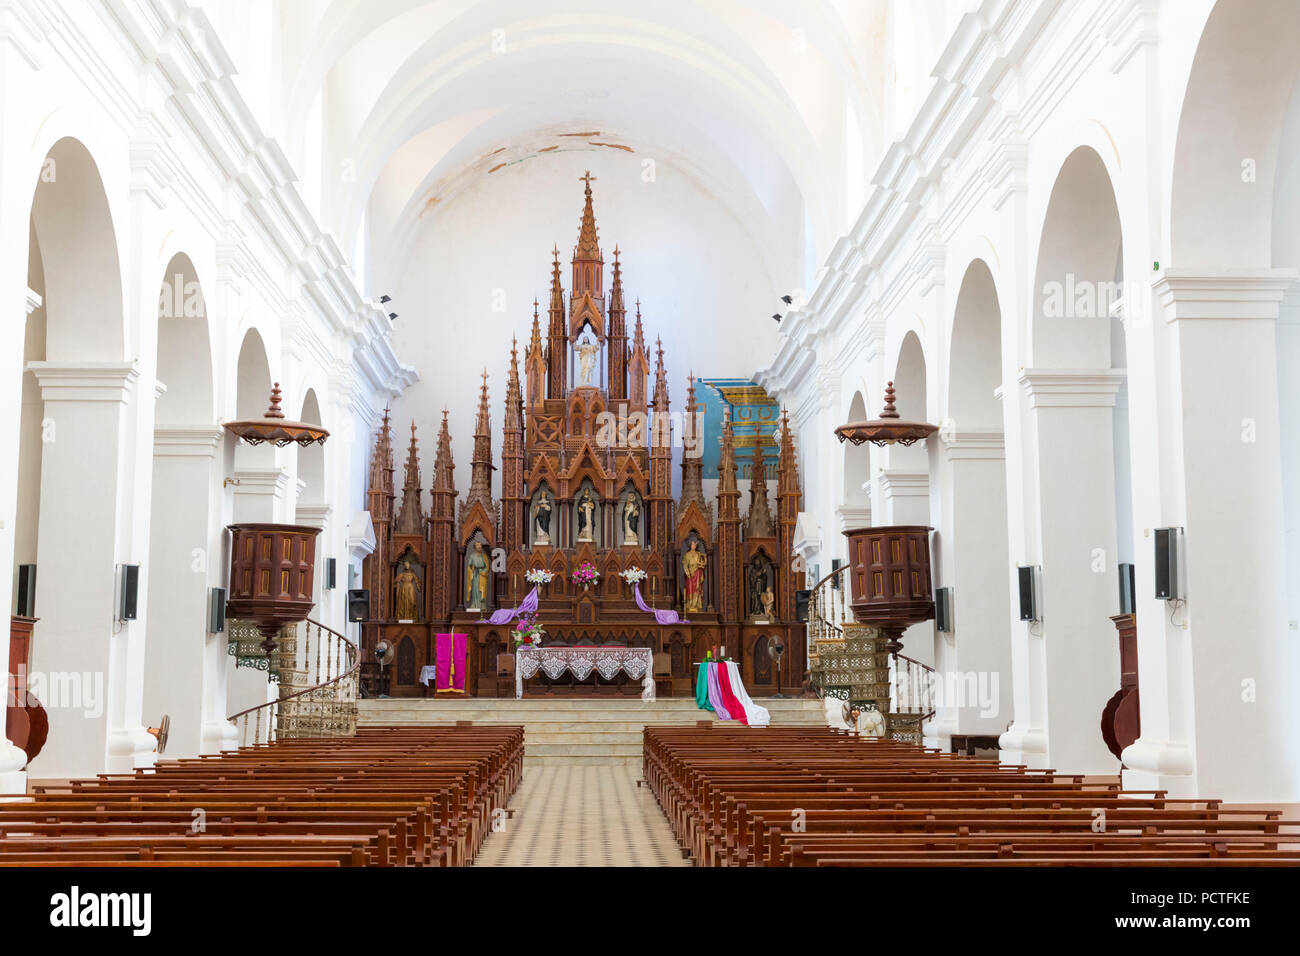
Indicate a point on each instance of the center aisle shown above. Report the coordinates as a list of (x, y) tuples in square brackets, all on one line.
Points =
[(582, 815)]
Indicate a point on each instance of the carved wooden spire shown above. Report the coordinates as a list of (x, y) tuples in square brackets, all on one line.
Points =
[(513, 491), (480, 480), (410, 517), (617, 335), (381, 462), (535, 363), (444, 469), (557, 339), (728, 490), (442, 529), (514, 394), (789, 502), (638, 365), (758, 523), (692, 453), (661, 379), (588, 247)]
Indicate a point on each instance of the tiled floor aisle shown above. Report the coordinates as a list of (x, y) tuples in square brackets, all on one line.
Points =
[(592, 815)]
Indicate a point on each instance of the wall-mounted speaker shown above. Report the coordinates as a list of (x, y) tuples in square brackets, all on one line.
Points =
[(801, 605), (1028, 580), (943, 610), (331, 573), (1167, 588), (836, 564), (1127, 589), (216, 610), (26, 604), (358, 605), (129, 585)]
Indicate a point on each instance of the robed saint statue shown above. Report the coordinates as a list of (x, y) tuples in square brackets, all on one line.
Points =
[(476, 578), (693, 563)]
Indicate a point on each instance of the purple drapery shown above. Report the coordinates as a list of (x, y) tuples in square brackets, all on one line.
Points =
[(507, 614), (661, 617)]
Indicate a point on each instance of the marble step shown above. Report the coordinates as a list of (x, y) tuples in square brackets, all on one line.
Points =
[(603, 760)]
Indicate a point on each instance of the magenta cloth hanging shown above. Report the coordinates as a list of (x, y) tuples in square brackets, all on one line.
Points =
[(661, 617), (507, 614)]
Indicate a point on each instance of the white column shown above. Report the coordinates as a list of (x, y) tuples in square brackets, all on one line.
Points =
[(1216, 673), (1073, 664), (13, 779), (181, 569), (80, 648), (261, 494), (974, 659)]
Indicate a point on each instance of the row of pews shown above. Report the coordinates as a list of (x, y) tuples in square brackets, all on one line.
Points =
[(390, 796), (818, 797)]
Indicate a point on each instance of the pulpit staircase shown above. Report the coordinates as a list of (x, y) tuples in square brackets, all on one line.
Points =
[(850, 661), (318, 671)]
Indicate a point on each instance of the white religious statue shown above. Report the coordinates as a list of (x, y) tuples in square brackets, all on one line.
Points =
[(586, 518), (542, 520), (587, 351), (631, 521)]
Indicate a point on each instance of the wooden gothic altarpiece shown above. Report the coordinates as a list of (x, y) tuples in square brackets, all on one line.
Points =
[(585, 476)]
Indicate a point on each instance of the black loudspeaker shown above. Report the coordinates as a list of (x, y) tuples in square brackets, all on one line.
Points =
[(801, 605), (26, 606), (358, 605), (1028, 578), (1127, 589), (943, 610), (130, 585), (1167, 564), (216, 610), (835, 566), (331, 573)]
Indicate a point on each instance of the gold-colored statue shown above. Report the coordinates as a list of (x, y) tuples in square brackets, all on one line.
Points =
[(693, 563), (407, 596)]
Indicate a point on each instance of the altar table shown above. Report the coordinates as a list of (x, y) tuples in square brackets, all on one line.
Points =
[(636, 662)]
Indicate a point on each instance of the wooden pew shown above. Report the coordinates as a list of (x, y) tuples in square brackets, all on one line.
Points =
[(813, 797)]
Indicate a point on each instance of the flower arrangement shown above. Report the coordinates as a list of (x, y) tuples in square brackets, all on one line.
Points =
[(528, 633), (632, 576), (585, 574), (539, 576)]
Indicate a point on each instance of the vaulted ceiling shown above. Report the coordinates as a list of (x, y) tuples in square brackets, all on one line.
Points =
[(389, 107)]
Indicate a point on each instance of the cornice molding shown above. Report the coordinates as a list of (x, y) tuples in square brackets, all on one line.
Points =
[(896, 483), (1229, 294), (85, 381), (187, 441), (1071, 388)]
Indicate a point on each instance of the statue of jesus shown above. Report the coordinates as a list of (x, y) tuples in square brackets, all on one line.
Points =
[(587, 358)]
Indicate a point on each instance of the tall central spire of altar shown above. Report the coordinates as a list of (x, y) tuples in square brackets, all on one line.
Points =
[(588, 263)]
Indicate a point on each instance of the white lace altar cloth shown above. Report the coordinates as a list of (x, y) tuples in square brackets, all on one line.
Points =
[(636, 662)]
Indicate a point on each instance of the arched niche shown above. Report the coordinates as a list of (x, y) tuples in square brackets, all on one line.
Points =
[(543, 518), (588, 515), (629, 519)]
